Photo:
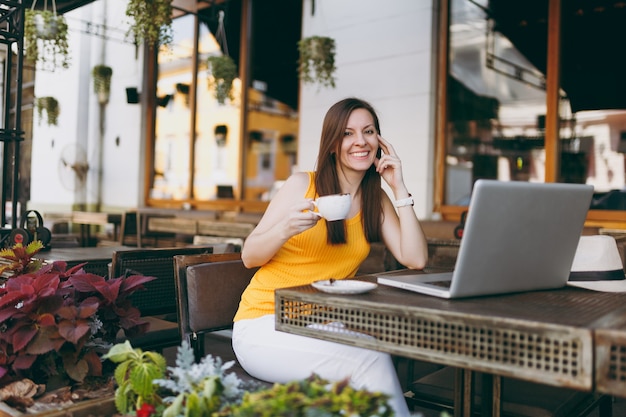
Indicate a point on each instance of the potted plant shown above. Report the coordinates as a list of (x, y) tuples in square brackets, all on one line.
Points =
[(313, 396), (102, 82), (223, 71), (56, 322), (189, 388), (50, 106), (134, 375), (207, 389), (151, 21), (45, 38), (316, 63)]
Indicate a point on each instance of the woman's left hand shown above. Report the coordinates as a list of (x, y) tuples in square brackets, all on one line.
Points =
[(389, 165)]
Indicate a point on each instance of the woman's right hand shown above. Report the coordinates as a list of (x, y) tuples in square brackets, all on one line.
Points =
[(300, 218), (287, 215)]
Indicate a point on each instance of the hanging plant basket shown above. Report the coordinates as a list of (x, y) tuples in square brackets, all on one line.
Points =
[(151, 21), (102, 82), (45, 38), (316, 64), (50, 106), (222, 72)]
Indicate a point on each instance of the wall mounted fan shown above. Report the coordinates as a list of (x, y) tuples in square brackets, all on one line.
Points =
[(73, 167)]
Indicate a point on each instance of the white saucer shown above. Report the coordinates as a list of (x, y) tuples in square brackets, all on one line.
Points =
[(344, 286)]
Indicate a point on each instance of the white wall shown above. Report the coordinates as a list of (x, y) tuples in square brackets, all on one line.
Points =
[(384, 56), (79, 118)]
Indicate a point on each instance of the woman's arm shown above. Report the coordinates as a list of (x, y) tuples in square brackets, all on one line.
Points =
[(403, 235), (401, 230), (286, 215)]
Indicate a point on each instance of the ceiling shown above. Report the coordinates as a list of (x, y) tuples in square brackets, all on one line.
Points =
[(592, 46), (63, 6)]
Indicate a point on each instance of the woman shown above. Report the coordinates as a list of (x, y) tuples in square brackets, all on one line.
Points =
[(293, 246)]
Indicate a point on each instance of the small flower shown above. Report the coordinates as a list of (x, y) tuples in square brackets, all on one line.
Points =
[(146, 410)]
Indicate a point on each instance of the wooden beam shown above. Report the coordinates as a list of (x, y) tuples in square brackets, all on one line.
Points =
[(553, 83), (441, 100)]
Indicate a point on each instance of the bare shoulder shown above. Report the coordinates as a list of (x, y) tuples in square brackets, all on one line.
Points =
[(296, 183)]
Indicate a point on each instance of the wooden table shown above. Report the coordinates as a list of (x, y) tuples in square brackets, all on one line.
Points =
[(97, 258), (610, 357), (546, 337), (86, 219)]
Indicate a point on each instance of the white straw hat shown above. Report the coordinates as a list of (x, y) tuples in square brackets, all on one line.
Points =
[(597, 265)]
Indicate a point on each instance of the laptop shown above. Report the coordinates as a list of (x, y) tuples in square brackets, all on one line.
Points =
[(518, 236)]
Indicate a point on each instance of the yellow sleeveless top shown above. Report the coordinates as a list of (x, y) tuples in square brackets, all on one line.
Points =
[(304, 258)]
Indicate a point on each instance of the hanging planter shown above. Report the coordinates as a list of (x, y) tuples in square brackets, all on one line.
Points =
[(50, 106), (102, 82), (45, 37), (223, 71), (152, 21), (316, 64)]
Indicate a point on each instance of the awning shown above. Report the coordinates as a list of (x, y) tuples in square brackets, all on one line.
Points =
[(592, 46)]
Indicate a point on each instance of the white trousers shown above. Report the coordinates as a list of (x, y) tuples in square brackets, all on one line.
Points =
[(281, 357)]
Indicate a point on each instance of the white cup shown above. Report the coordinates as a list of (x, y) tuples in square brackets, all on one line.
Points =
[(333, 207)]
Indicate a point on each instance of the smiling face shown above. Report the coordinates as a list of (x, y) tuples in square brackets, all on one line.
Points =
[(360, 141)]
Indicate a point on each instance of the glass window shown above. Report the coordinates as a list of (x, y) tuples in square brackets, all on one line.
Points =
[(497, 98), (191, 162), (200, 150)]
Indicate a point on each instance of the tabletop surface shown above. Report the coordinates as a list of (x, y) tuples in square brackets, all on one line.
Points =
[(541, 336), (81, 253)]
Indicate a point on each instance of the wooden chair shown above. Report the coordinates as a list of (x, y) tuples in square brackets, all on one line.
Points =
[(208, 291), (157, 302), (518, 398)]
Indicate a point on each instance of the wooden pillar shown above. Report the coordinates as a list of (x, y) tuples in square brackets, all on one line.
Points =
[(441, 102), (553, 82)]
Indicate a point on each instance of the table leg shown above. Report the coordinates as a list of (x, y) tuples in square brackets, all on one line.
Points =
[(138, 229), (84, 234), (463, 393), (496, 395)]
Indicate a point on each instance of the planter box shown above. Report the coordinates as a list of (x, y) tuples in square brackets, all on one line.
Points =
[(98, 407)]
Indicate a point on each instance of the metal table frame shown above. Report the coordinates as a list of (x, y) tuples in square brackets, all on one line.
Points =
[(545, 337)]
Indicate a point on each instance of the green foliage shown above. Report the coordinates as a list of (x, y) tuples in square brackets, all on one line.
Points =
[(134, 374), (51, 106), (316, 64), (312, 397), (101, 78), (55, 320), (223, 71), (206, 389), (152, 21), (45, 38), (200, 388)]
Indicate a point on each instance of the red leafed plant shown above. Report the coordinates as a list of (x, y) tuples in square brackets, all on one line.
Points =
[(55, 321)]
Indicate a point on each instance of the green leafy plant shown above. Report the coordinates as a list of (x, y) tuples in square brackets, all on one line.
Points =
[(102, 82), (199, 388), (134, 374), (313, 396), (222, 71), (316, 64), (55, 321), (45, 38), (206, 389), (50, 106), (152, 21)]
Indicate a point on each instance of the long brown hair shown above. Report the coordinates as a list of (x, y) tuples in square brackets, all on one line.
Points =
[(327, 179)]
